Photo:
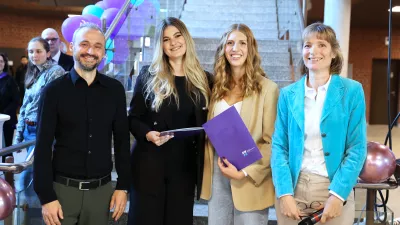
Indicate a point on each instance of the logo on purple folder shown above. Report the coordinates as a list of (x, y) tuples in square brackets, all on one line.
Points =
[(248, 151)]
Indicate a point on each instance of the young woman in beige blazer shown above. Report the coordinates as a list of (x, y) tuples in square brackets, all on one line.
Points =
[(241, 197)]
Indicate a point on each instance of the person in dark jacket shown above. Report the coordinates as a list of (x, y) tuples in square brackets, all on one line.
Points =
[(63, 60), (9, 101), (172, 93)]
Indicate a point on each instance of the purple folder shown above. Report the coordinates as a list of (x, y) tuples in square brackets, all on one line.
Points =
[(231, 139)]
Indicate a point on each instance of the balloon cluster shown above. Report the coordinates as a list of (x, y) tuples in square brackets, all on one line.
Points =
[(108, 10)]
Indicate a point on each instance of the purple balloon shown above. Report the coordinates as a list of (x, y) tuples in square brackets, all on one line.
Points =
[(114, 3), (101, 4), (121, 52), (102, 64), (7, 199), (143, 17), (70, 25), (92, 19)]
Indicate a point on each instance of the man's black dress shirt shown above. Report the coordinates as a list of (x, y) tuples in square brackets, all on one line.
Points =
[(81, 119)]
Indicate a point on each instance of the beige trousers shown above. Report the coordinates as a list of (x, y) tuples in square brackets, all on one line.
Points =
[(312, 188)]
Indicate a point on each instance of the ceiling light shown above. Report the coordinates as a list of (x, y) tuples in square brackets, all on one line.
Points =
[(395, 9)]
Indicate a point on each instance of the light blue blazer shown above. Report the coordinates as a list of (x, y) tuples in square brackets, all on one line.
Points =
[(343, 132)]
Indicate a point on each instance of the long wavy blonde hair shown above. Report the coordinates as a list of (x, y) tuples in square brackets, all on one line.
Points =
[(161, 84), (223, 79)]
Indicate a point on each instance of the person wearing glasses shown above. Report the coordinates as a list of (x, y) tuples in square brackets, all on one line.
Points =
[(64, 60), (320, 141)]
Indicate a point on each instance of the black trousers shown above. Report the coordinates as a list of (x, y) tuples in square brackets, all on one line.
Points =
[(8, 130), (172, 206)]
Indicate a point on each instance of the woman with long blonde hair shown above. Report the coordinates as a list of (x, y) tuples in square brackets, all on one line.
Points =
[(172, 93), (241, 197)]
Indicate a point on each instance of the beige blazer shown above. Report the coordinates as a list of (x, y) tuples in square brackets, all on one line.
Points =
[(256, 191)]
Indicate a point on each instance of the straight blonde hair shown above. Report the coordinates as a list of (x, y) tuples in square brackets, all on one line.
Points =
[(161, 84)]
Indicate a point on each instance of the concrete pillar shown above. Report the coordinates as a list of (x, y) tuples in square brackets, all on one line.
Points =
[(3, 118), (337, 15)]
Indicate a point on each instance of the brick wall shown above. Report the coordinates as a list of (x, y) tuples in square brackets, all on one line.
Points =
[(366, 45), (17, 30)]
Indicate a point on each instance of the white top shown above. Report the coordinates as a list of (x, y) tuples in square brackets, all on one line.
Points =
[(222, 105), (313, 156), (56, 57)]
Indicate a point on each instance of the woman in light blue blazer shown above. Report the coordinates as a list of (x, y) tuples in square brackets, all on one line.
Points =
[(319, 144)]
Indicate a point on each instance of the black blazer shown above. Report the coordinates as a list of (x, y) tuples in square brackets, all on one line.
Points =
[(146, 158), (66, 62), (9, 98)]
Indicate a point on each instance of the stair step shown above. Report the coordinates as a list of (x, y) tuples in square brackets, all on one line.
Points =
[(260, 34), (211, 44), (259, 17), (283, 74), (208, 8), (225, 24), (233, 3), (267, 58)]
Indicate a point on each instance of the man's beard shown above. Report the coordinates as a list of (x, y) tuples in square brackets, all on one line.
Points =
[(87, 67)]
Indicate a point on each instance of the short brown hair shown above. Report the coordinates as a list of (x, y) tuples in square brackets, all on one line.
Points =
[(326, 33)]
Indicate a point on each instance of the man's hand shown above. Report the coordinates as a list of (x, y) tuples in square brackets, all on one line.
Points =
[(52, 212), (229, 170), (289, 208), (333, 208), (154, 136), (118, 202)]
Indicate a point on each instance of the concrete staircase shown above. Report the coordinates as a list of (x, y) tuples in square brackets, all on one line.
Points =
[(207, 21)]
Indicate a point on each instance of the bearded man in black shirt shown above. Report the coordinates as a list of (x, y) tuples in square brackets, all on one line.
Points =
[(80, 113)]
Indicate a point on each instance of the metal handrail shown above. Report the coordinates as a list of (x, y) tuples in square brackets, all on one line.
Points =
[(118, 17), (300, 14), (17, 167), (14, 148), (182, 8)]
